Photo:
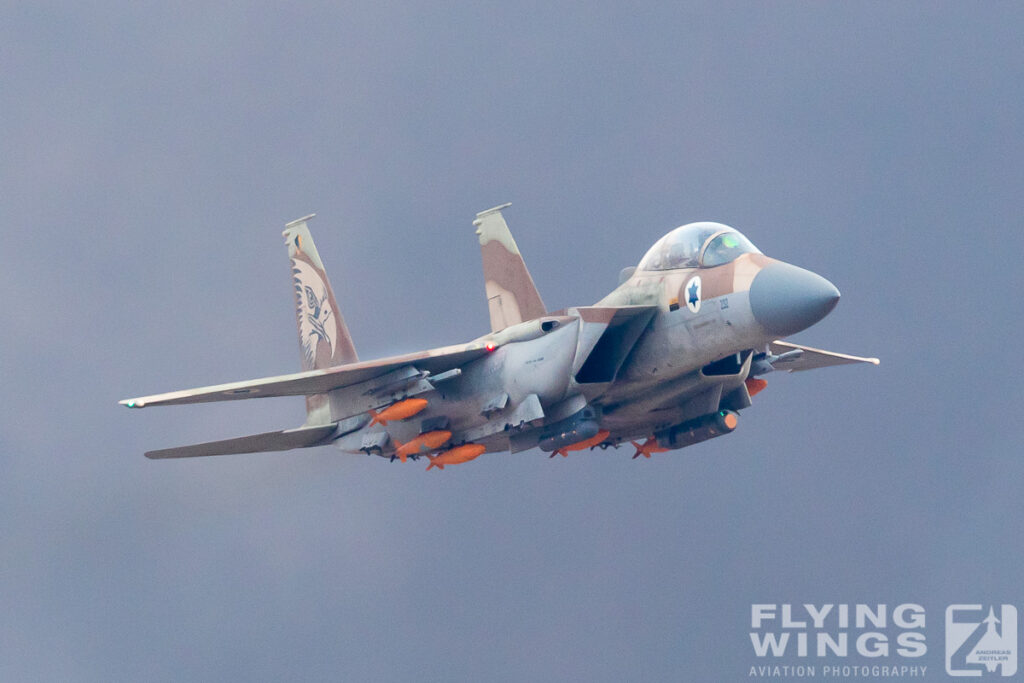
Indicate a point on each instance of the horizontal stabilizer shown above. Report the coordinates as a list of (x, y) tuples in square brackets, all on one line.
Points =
[(288, 439), (435, 362), (811, 358)]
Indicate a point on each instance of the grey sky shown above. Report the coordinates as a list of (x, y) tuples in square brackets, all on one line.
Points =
[(150, 157)]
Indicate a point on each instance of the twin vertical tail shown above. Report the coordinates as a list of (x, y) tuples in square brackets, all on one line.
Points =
[(512, 297), (324, 338)]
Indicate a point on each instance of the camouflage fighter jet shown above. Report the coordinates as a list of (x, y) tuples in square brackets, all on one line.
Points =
[(665, 361)]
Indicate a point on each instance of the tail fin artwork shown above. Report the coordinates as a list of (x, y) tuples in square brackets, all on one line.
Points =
[(324, 338), (511, 295)]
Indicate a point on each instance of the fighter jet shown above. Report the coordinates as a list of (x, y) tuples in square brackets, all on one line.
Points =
[(666, 360)]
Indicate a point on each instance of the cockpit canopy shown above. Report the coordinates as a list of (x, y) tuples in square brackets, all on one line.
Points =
[(697, 245)]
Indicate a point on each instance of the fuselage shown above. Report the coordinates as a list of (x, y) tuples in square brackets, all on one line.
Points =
[(671, 345)]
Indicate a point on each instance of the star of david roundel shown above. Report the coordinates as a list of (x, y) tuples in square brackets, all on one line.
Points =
[(692, 293)]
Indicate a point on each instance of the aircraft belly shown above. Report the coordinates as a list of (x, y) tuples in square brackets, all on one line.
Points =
[(526, 376)]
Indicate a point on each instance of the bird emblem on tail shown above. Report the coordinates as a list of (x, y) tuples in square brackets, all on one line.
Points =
[(314, 310)]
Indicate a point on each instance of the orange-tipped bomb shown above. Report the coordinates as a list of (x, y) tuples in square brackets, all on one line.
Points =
[(582, 445), (648, 447), (754, 385), (457, 455), (423, 442), (398, 411)]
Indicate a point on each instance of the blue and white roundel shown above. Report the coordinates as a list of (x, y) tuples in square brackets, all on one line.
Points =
[(692, 294)]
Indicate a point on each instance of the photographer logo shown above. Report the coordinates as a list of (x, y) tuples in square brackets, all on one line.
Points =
[(981, 640)]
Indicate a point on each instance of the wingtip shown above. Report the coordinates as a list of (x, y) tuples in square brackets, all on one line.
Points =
[(132, 403)]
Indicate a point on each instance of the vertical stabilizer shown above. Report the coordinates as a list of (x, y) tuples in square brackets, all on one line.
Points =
[(324, 339), (511, 295)]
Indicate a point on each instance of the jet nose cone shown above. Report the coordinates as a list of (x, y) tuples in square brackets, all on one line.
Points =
[(786, 299)]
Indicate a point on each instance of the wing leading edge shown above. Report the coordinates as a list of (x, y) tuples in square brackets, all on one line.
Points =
[(810, 358), (315, 381)]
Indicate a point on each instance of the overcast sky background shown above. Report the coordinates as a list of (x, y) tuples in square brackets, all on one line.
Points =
[(149, 157)]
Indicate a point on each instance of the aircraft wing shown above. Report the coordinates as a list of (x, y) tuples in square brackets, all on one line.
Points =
[(810, 358), (303, 437), (434, 361)]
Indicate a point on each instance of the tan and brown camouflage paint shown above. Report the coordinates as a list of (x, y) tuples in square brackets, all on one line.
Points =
[(512, 296), (660, 288)]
